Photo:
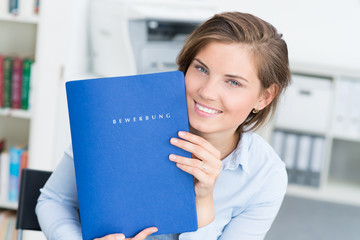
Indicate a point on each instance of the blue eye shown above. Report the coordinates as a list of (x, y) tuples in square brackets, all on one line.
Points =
[(201, 69), (234, 83)]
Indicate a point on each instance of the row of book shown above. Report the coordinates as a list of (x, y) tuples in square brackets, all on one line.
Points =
[(20, 7), (15, 77), (8, 225), (303, 155), (11, 164), (347, 111)]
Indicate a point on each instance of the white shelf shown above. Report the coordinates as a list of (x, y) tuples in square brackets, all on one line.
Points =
[(8, 205), (15, 113), (346, 137), (337, 192), (19, 19), (299, 130)]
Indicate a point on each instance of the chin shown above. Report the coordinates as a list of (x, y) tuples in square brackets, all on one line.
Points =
[(199, 127)]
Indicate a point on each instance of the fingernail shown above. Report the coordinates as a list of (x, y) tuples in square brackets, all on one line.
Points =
[(172, 157), (120, 237), (173, 140), (154, 230), (181, 134)]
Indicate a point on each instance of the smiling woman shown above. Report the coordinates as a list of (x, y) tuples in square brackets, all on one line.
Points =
[(265, 50), (235, 66)]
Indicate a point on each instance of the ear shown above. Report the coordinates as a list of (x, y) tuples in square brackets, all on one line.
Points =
[(267, 96)]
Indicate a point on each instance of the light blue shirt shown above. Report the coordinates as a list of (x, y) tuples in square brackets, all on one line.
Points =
[(247, 197)]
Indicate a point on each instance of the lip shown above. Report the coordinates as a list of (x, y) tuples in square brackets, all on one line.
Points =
[(205, 114)]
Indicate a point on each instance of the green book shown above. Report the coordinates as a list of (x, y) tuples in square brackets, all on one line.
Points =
[(26, 83), (8, 62)]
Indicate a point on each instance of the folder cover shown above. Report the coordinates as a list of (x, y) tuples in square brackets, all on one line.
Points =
[(121, 129)]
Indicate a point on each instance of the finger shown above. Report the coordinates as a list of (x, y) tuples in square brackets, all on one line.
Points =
[(112, 237), (200, 175), (200, 141), (144, 233), (191, 162), (198, 151)]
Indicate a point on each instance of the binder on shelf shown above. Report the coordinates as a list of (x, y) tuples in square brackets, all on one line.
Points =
[(317, 160), (354, 114), (290, 154), (303, 160), (121, 129), (342, 106), (278, 141)]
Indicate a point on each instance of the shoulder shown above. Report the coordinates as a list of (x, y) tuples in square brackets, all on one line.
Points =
[(267, 171), (264, 162), (261, 151)]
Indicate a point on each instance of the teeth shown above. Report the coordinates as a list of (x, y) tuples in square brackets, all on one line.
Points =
[(207, 110)]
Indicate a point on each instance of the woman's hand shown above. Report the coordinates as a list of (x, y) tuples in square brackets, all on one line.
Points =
[(205, 166), (140, 236)]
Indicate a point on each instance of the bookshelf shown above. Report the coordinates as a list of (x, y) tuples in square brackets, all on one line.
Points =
[(45, 39), (328, 111), (19, 19)]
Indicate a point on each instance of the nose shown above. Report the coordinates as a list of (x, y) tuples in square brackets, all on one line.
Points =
[(209, 90)]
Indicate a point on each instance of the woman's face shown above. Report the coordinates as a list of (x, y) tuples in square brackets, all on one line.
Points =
[(222, 88)]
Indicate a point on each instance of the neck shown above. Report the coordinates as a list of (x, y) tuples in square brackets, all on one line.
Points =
[(224, 142)]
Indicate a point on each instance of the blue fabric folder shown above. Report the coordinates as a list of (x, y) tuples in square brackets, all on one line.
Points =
[(121, 129)]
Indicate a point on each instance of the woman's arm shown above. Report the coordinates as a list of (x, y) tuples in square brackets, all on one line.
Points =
[(57, 207), (205, 166), (255, 221)]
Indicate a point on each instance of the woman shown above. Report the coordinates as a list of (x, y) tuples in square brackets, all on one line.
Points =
[(236, 66)]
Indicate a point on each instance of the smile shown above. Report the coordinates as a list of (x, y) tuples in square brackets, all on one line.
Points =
[(206, 109)]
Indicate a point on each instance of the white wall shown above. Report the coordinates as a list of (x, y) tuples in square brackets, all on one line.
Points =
[(319, 32)]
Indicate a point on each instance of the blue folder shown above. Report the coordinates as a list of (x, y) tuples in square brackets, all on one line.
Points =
[(121, 129)]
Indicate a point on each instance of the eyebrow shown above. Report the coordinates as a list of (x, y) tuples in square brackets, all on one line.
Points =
[(227, 75)]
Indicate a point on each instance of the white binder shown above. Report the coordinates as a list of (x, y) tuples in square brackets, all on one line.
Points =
[(302, 164), (317, 160), (290, 155)]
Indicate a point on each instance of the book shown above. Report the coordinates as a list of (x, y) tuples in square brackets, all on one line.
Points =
[(36, 8), (1, 79), (2, 145), (16, 83), (13, 7), (25, 86), (14, 168), (120, 130), (8, 62)]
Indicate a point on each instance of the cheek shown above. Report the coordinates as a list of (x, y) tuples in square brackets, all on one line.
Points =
[(240, 105), (190, 82)]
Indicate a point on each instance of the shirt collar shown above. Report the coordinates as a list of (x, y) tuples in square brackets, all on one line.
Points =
[(238, 157)]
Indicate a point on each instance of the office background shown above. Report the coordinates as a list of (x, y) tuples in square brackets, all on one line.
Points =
[(73, 39)]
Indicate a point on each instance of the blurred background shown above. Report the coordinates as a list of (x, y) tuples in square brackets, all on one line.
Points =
[(316, 129)]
